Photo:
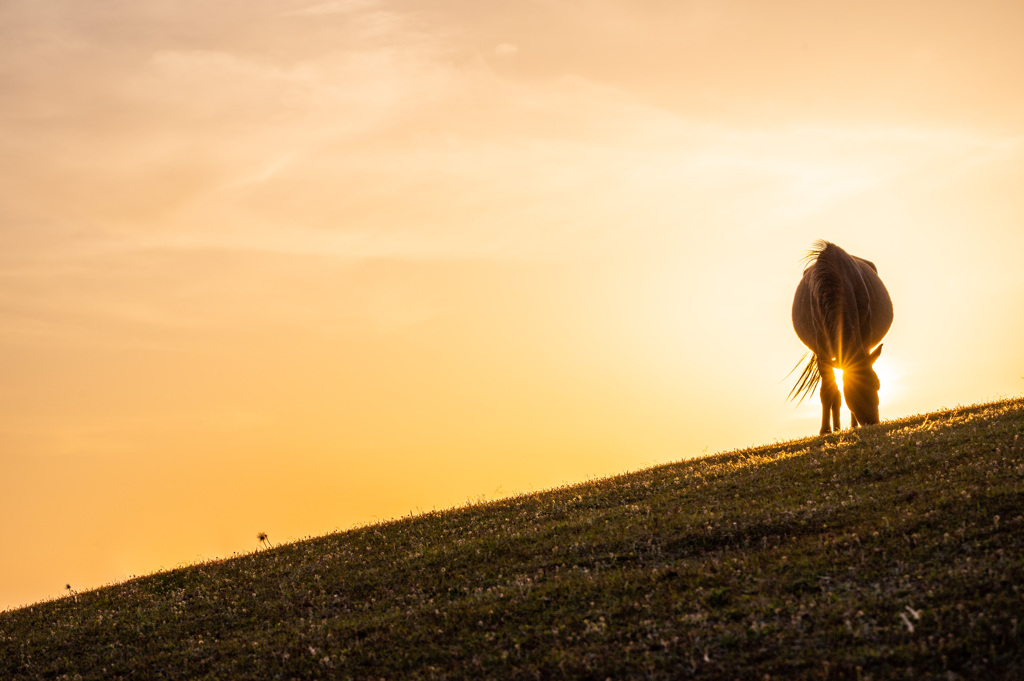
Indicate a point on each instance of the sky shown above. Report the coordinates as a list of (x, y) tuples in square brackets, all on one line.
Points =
[(290, 266)]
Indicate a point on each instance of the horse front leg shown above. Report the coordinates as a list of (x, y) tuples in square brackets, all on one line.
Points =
[(831, 399)]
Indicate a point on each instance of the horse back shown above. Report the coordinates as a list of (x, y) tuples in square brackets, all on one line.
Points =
[(835, 273), (876, 307)]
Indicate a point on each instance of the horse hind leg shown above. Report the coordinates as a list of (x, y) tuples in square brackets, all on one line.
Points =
[(830, 399)]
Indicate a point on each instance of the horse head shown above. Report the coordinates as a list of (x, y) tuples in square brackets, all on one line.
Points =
[(860, 388)]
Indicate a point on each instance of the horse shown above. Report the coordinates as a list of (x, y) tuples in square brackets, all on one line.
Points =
[(841, 311)]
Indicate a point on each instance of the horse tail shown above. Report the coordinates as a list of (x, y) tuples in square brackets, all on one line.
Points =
[(808, 380), (817, 248)]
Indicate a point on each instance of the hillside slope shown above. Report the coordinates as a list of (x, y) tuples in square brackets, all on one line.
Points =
[(888, 552)]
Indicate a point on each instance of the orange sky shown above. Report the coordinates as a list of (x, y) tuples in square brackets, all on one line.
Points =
[(289, 266)]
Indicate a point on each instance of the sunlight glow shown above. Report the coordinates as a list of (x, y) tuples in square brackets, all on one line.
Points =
[(324, 262), (889, 376), (890, 389)]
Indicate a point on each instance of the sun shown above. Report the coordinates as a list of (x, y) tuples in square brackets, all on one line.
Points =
[(888, 377), (839, 379)]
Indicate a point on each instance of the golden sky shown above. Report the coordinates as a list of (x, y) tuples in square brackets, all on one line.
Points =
[(289, 266)]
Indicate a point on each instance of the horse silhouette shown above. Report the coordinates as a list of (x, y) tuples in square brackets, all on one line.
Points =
[(841, 311)]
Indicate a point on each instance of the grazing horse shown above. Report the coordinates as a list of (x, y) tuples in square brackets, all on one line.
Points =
[(841, 311)]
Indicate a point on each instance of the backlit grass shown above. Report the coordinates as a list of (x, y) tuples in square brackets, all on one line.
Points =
[(893, 551)]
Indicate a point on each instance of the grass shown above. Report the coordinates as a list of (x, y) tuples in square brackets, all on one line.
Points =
[(893, 551)]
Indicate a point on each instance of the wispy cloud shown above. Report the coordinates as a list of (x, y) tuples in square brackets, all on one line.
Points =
[(506, 50), (403, 137), (333, 7)]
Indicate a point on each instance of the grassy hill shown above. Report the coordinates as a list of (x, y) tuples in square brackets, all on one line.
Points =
[(894, 551)]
